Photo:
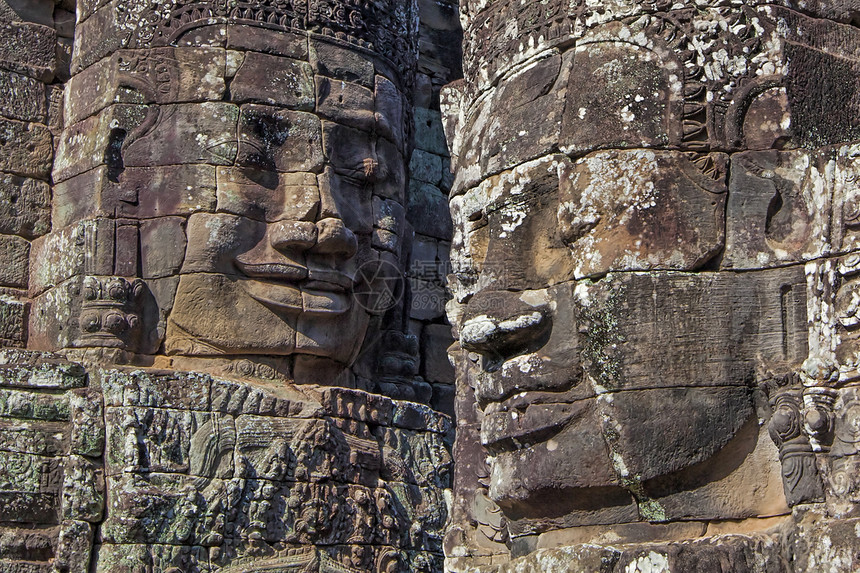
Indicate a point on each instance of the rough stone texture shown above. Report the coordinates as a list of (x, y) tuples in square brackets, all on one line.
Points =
[(26, 149), (235, 217), (652, 272), (225, 165), (249, 476), (203, 187)]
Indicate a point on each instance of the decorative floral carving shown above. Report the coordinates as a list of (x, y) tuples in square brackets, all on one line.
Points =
[(110, 312)]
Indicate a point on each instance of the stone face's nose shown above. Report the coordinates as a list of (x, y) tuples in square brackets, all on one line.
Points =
[(292, 235), (500, 325), (333, 238)]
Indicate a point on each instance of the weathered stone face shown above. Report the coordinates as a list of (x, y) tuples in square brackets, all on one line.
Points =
[(268, 165), (274, 270), (224, 193), (644, 253)]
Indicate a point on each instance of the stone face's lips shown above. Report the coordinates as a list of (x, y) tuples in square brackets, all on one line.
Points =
[(293, 288), (512, 429), (307, 298), (323, 301), (480, 332), (334, 279), (278, 271)]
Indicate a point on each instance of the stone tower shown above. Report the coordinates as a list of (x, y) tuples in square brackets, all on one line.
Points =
[(213, 360), (653, 275)]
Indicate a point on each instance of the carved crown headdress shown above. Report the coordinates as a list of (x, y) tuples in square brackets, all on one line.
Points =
[(388, 28)]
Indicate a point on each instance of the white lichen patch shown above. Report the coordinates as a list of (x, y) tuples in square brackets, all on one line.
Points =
[(825, 557), (523, 364), (477, 330), (652, 563), (535, 297), (521, 322), (626, 115)]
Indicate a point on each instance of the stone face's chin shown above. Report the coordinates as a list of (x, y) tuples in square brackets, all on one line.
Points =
[(570, 454), (217, 314), (607, 440), (277, 296)]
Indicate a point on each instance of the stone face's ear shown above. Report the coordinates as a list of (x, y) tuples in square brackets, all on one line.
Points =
[(454, 108)]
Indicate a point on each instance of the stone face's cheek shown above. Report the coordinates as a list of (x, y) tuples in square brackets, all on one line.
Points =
[(348, 199), (574, 455), (268, 196), (214, 241), (274, 139), (214, 314)]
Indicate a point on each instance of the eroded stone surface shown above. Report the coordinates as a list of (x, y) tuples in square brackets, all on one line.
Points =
[(167, 462), (202, 187), (653, 266)]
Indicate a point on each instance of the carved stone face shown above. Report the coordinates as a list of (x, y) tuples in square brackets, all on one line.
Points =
[(600, 387), (274, 270), (630, 238)]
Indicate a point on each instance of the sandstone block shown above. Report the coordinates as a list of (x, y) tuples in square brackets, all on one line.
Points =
[(25, 206), (338, 63), (640, 210), (273, 80), (429, 136), (267, 196), (96, 141), (282, 43), (163, 75), (32, 369), (186, 133), (75, 546), (436, 367), (612, 114), (88, 423), (425, 204), (345, 103), (273, 139), (391, 113), (15, 252), (25, 149), (13, 321), (777, 207), (83, 490), (426, 167), (30, 49), (22, 97), (162, 246)]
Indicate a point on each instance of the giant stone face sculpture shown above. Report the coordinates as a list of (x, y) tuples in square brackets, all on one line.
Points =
[(252, 179), (643, 257), (274, 271), (228, 191)]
